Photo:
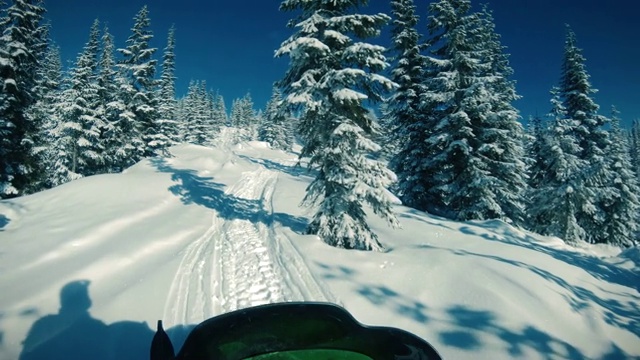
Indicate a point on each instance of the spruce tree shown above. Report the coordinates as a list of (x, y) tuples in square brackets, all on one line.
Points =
[(333, 71), (22, 46), (471, 168), (219, 111), (81, 123), (112, 109), (634, 139), (537, 166), (167, 124), (243, 119), (48, 109), (621, 204), (403, 113), (274, 128), (501, 136), (140, 93), (559, 189), (576, 91)]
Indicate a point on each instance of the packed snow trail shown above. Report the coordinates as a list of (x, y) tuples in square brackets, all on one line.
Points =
[(243, 259)]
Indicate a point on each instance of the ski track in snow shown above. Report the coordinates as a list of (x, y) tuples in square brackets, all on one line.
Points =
[(242, 259)]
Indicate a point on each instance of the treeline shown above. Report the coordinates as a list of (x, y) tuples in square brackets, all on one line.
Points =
[(109, 111), (452, 134), (448, 127)]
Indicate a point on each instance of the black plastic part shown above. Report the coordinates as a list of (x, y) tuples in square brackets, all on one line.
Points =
[(286, 327), (161, 346)]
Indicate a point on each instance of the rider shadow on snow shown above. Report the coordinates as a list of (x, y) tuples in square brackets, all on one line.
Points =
[(203, 191), (73, 334)]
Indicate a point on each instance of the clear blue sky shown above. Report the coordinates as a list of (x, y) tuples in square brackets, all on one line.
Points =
[(230, 43)]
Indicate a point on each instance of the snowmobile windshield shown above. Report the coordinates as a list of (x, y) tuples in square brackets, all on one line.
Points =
[(292, 331)]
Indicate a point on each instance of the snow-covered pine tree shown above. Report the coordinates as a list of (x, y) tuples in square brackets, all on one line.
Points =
[(111, 107), (403, 114), (622, 204), (470, 116), (48, 109), (501, 136), (275, 128), (634, 144), (80, 123), (243, 118), (559, 191), (22, 46), (537, 167), (332, 73), (140, 93), (167, 124), (220, 117), (575, 91), (200, 119)]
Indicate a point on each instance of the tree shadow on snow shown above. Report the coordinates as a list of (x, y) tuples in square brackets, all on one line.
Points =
[(295, 170), (73, 334), (591, 264), (4, 221), (623, 315), (203, 191), (379, 295), (466, 326)]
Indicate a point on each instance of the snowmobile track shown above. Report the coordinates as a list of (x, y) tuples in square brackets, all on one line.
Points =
[(241, 260)]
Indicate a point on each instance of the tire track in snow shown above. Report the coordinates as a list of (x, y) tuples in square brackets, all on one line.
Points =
[(259, 265)]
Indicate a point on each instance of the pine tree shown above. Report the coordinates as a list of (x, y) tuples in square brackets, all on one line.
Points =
[(22, 46), (274, 128), (403, 113), (200, 115), (167, 108), (501, 135), (634, 145), (330, 77), (559, 189), (219, 111), (81, 123), (622, 204), (48, 109), (536, 132), (471, 169), (575, 92), (112, 109), (140, 93), (243, 119)]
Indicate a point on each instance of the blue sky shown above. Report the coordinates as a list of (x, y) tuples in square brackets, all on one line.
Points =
[(230, 43)]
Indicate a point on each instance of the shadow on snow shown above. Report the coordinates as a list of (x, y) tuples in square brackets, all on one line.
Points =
[(293, 170), (592, 265), (73, 334), (4, 221), (203, 191), (466, 326)]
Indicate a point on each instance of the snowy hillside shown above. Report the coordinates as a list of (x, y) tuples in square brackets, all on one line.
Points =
[(212, 230)]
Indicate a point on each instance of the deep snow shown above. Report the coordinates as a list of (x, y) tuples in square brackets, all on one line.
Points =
[(211, 230)]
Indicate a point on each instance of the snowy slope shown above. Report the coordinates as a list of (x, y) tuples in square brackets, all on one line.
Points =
[(212, 230)]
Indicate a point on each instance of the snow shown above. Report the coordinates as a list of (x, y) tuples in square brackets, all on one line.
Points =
[(210, 230)]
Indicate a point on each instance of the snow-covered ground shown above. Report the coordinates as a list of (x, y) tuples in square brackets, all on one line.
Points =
[(216, 229)]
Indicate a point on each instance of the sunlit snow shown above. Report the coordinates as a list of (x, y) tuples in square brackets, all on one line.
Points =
[(211, 230)]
